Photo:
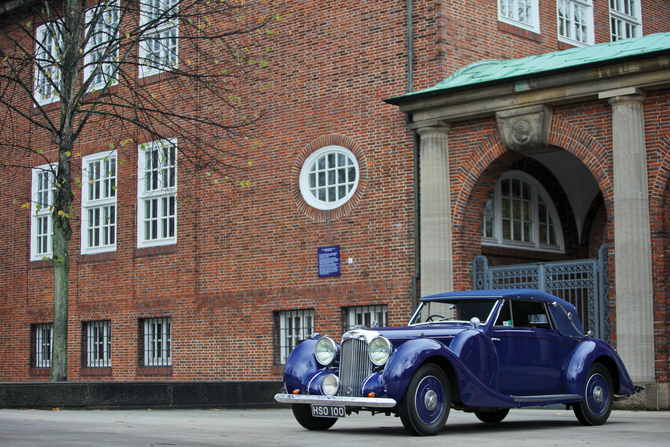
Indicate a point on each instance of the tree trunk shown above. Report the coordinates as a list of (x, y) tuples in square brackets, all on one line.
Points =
[(61, 266), (61, 261)]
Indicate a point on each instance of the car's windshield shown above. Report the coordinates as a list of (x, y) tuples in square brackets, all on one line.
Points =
[(453, 311)]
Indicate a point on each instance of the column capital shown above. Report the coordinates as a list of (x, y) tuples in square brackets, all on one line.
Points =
[(629, 97), (431, 126)]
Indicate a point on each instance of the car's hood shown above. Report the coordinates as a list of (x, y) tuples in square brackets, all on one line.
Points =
[(399, 335)]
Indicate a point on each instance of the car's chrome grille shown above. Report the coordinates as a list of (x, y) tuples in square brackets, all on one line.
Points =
[(355, 366)]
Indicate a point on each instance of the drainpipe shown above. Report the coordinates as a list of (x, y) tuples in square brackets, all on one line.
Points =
[(415, 147)]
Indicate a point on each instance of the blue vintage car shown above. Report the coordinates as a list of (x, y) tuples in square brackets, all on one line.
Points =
[(480, 351)]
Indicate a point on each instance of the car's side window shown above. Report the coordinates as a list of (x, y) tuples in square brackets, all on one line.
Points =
[(505, 315), (524, 314)]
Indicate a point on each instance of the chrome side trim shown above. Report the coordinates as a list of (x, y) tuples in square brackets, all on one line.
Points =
[(550, 398), (368, 402)]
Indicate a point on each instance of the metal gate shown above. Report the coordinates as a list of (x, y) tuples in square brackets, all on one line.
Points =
[(584, 283)]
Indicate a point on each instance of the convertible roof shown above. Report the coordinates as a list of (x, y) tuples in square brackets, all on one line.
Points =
[(565, 314), (510, 294)]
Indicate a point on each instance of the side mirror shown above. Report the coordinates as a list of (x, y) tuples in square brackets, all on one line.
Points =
[(475, 322)]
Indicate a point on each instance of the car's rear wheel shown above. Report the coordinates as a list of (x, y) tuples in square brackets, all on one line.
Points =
[(598, 397), (303, 414), (425, 407), (492, 417)]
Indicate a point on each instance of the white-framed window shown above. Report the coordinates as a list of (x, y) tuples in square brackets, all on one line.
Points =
[(522, 13), (98, 203), (41, 345), (98, 344), (102, 49), (157, 193), (159, 48), (625, 19), (575, 22), (368, 316), (329, 177), (47, 72), (520, 214), (291, 327), (43, 198), (156, 341)]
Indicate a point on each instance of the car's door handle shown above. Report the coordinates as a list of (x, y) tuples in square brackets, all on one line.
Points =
[(495, 339)]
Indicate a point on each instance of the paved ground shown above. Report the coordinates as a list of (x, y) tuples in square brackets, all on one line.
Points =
[(148, 428)]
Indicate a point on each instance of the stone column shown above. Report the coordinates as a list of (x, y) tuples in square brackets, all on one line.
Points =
[(436, 257), (632, 235)]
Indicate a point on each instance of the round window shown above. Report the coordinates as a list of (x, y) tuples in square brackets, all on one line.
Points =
[(329, 177)]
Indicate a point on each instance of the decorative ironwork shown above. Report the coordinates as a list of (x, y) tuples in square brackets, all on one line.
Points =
[(583, 283), (479, 267)]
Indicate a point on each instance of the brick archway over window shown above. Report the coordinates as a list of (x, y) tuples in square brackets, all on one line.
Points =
[(323, 141), (476, 176)]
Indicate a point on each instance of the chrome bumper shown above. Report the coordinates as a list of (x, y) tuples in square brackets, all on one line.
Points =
[(368, 402)]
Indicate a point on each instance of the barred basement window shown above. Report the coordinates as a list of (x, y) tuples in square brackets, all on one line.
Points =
[(156, 341), (41, 342), (97, 342), (368, 316), (290, 328)]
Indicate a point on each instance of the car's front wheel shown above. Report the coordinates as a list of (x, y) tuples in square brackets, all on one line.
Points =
[(303, 414), (425, 407), (598, 397)]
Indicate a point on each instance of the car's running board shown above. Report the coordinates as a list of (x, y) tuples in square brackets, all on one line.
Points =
[(550, 398)]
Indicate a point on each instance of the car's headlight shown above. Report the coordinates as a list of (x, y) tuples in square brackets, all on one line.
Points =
[(325, 351), (380, 350), (330, 385)]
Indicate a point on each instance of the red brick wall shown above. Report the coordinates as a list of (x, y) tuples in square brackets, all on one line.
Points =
[(243, 253)]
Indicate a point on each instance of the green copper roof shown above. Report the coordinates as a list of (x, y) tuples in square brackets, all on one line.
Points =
[(487, 72)]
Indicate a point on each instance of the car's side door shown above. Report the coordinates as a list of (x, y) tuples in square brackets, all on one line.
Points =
[(531, 352)]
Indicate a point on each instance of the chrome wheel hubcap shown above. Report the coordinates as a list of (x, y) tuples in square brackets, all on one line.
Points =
[(430, 400), (598, 394)]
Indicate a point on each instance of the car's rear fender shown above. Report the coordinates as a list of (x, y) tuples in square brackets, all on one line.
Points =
[(593, 351)]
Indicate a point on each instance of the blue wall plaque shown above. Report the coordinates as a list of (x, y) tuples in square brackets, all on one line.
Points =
[(329, 261)]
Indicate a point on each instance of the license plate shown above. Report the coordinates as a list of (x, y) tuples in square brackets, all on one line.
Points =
[(327, 411)]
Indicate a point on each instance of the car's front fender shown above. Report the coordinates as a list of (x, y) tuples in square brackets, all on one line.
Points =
[(589, 352), (301, 366), (404, 362)]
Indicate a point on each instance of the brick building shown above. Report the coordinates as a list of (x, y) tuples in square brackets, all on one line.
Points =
[(521, 131)]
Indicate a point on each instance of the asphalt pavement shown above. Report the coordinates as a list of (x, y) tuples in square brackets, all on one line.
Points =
[(546, 427)]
